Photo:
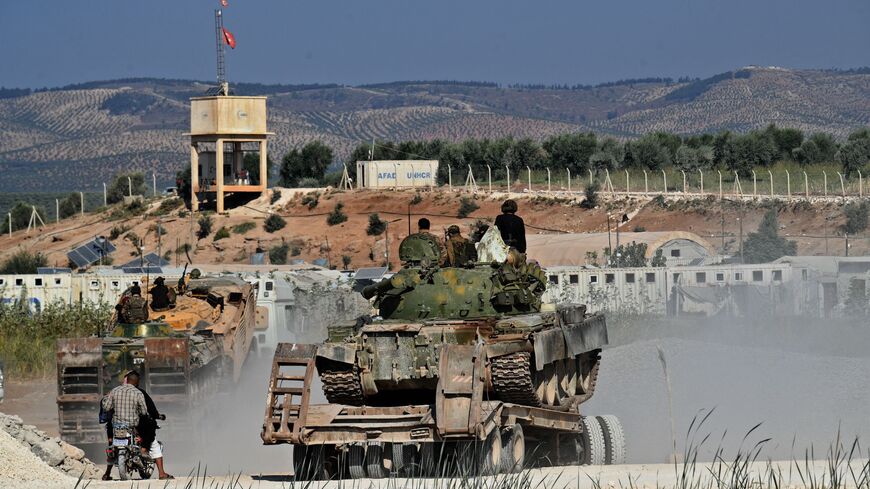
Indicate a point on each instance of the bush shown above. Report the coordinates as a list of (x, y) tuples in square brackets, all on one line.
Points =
[(311, 200), (276, 196), (243, 227), (117, 231), (856, 217), (168, 205), (183, 249), (466, 207), (345, 261), (417, 199), (120, 186), (70, 206), (157, 229), (21, 213), (377, 226), (205, 223), (221, 233), (766, 244), (274, 223), (308, 183), (23, 261), (591, 200), (278, 254), (337, 216), (639, 229)]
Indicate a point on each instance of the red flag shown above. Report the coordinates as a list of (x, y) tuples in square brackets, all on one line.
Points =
[(225, 3), (229, 39)]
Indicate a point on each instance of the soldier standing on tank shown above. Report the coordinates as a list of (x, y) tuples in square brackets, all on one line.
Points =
[(423, 227), (159, 295), (511, 226), (460, 251)]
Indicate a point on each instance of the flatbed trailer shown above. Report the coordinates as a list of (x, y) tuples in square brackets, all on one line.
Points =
[(334, 441)]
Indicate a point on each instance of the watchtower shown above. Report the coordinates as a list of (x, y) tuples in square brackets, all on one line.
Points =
[(222, 129)]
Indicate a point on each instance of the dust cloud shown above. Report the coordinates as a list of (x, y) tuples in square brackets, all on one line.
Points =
[(803, 379)]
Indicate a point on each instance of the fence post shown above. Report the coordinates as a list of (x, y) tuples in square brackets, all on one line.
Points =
[(105, 196), (10, 224), (569, 179), (489, 177), (82, 197), (825, 175), (770, 174), (737, 187), (590, 176), (508, 170), (806, 185), (788, 184), (860, 184), (154, 183), (129, 187), (607, 181), (548, 179), (754, 184), (665, 180), (627, 182), (720, 184), (449, 177), (530, 178), (685, 190), (701, 172), (842, 184), (56, 210), (645, 184)]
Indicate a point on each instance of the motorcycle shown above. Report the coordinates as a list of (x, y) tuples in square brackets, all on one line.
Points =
[(127, 452)]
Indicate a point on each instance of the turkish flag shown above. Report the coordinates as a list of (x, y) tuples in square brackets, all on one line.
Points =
[(229, 39)]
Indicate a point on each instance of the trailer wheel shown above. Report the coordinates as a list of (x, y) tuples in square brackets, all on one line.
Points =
[(614, 439), (356, 461), (308, 462), (426, 456), (592, 442), (490, 453), (378, 461), (513, 453)]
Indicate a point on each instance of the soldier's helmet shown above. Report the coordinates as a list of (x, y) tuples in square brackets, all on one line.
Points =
[(453, 230), (509, 206)]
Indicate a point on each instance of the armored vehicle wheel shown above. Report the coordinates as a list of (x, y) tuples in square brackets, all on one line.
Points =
[(547, 385), (614, 439), (356, 456), (592, 440), (566, 371), (491, 453), (308, 462), (378, 461), (587, 375), (513, 452)]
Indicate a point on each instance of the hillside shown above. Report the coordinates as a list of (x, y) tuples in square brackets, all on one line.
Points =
[(75, 137), (309, 237)]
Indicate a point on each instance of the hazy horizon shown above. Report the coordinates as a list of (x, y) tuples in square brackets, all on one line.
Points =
[(52, 44)]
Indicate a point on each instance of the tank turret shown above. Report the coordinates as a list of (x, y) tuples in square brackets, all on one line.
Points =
[(532, 356)]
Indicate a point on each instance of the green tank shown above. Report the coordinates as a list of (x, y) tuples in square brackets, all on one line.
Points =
[(533, 354)]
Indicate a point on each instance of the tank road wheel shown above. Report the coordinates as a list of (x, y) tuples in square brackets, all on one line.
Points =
[(308, 462), (614, 439), (378, 461), (513, 452), (592, 442), (567, 372), (357, 461), (587, 374), (546, 386), (491, 453)]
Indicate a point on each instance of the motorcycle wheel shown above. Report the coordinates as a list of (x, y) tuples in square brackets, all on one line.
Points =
[(145, 472), (123, 473)]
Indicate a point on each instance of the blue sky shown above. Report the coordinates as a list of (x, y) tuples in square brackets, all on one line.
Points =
[(53, 42)]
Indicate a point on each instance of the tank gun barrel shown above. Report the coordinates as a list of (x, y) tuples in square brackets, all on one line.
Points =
[(372, 290)]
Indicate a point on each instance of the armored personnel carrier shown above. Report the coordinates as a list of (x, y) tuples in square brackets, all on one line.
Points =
[(460, 354), (184, 352)]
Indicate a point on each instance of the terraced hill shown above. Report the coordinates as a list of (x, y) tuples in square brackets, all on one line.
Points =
[(76, 137)]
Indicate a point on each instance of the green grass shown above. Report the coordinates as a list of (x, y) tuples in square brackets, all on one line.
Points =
[(28, 341)]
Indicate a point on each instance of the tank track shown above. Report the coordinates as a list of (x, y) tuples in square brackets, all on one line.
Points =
[(593, 380), (343, 387), (512, 379)]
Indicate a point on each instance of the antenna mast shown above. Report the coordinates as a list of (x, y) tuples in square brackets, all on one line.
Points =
[(219, 45)]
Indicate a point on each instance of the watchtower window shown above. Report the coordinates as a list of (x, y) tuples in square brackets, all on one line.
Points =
[(554, 279), (609, 278), (573, 278), (593, 279)]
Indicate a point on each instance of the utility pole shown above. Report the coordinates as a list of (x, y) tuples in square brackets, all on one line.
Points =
[(723, 232), (826, 236), (846, 235), (609, 244), (740, 222)]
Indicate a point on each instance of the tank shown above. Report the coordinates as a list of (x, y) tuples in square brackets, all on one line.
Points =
[(185, 353), (536, 355)]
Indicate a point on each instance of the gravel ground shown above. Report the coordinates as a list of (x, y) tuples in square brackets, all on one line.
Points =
[(19, 466)]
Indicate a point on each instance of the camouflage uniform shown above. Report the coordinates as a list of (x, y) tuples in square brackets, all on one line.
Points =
[(459, 251)]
